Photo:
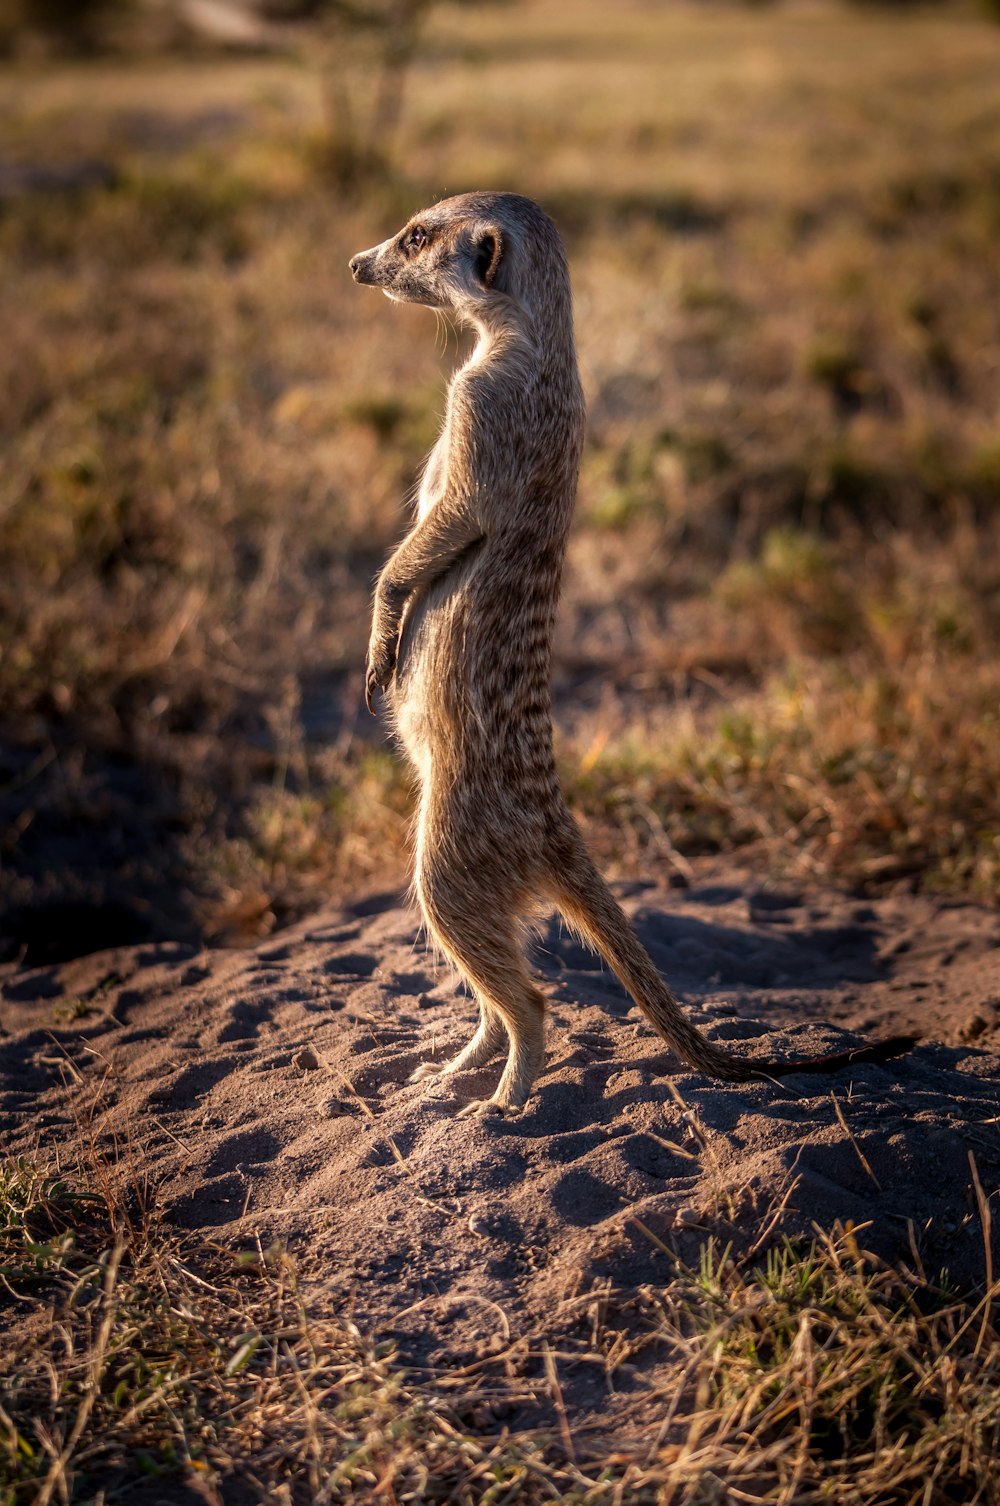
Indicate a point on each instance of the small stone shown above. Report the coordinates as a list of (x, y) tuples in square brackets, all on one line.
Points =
[(976, 1025), (688, 1218), (306, 1060), (339, 1108), (477, 1224)]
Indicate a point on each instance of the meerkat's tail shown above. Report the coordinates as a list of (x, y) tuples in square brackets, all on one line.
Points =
[(588, 904)]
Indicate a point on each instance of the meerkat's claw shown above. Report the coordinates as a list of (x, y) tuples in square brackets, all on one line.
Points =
[(379, 673)]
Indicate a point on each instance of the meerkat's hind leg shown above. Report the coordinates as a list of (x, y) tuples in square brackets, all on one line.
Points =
[(488, 1041), (481, 939)]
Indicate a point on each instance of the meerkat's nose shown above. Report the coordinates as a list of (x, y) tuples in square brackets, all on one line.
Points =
[(363, 265)]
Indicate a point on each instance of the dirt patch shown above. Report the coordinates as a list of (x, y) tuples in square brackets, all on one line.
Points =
[(265, 1094)]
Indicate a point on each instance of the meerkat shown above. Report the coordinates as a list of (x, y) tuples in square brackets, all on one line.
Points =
[(461, 636)]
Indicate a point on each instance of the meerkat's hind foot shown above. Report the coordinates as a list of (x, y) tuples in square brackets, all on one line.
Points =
[(484, 1046), (509, 1099), (488, 1041), (426, 1071), (488, 1108)]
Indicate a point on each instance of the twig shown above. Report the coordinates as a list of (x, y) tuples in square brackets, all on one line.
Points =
[(986, 1219), (860, 1153), (776, 1215), (551, 1375)]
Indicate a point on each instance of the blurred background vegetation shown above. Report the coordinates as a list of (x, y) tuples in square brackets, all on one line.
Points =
[(779, 629)]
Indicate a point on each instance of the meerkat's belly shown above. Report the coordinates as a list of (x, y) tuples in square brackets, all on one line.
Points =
[(471, 685), (428, 697)]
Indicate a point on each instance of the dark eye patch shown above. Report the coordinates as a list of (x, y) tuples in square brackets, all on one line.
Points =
[(415, 239)]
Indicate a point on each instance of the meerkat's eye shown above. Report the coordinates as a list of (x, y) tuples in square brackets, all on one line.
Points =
[(416, 238)]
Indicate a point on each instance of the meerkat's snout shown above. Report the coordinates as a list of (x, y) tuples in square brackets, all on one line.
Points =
[(361, 266)]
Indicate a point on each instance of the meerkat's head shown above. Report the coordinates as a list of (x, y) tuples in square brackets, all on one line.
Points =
[(466, 254)]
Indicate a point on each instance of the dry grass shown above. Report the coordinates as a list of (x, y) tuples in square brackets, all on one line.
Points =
[(822, 1377), (867, 748), (818, 1375), (782, 228)]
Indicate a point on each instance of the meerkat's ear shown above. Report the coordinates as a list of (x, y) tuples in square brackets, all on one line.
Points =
[(489, 251)]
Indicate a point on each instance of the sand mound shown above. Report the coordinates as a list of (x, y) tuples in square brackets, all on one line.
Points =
[(265, 1093)]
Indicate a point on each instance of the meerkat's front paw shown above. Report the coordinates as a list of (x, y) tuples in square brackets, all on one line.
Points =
[(380, 670)]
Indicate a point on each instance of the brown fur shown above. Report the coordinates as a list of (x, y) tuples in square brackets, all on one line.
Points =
[(461, 637)]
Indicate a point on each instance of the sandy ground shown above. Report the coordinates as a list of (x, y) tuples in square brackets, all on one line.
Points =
[(265, 1093)]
